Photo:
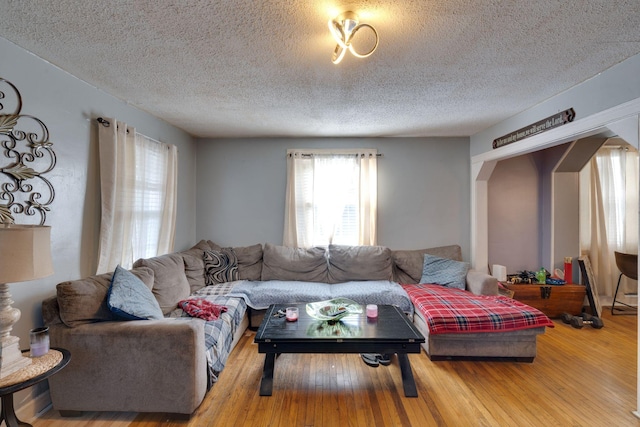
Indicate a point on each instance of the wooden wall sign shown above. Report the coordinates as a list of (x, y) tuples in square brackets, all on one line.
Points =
[(550, 122)]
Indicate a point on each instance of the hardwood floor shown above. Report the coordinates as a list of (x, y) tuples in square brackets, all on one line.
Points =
[(581, 377)]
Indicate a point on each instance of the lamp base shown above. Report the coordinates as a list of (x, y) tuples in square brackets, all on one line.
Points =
[(11, 358)]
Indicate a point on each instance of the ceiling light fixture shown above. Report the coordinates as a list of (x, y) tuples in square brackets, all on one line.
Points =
[(343, 28)]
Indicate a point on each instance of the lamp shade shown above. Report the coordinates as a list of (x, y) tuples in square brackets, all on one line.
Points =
[(25, 253)]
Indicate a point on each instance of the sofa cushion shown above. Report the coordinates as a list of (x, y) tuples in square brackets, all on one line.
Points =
[(129, 298), (220, 266), (284, 263), (408, 264), (444, 271), (194, 265), (350, 263), (85, 301), (249, 260), (170, 283)]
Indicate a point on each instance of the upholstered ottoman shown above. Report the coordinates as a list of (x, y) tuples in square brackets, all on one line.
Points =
[(460, 325)]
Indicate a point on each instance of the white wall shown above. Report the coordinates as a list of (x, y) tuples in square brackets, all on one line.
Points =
[(423, 189), (68, 108)]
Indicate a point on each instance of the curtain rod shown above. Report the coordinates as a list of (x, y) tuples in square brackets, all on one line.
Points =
[(337, 154), (103, 122), (107, 123)]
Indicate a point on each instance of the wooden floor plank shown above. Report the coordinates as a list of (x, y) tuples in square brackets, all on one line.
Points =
[(579, 377)]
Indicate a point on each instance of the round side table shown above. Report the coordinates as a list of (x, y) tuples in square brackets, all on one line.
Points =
[(40, 369)]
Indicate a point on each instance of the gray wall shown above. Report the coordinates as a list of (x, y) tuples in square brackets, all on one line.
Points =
[(68, 108), (423, 189), (514, 214), (520, 212), (615, 86)]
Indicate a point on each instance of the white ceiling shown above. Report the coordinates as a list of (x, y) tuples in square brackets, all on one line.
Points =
[(250, 68)]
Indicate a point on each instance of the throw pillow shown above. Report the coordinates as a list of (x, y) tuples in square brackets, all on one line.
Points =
[(220, 266), (129, 298), (444, 271), (85, 300), (408, 264)]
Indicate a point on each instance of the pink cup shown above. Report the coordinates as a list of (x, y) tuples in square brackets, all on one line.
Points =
[(291, 314), (372, 311)]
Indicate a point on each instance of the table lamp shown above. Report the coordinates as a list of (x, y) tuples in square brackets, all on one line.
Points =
[(25, 254)]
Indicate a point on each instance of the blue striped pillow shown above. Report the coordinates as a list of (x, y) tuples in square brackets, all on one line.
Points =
[(444, 271)]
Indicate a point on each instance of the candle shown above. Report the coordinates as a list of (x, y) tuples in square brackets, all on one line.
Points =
[(39, 341), (372, 310)]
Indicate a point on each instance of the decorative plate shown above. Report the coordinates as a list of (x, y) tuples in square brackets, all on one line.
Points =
[(333, 309)]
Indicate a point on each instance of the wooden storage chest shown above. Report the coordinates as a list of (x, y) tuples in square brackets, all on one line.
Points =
[(552, 300)]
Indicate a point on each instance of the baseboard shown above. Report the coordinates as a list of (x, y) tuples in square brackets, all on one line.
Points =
[(32, 408)]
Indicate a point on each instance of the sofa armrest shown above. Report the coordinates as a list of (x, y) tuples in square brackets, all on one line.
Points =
[(481, 283), (137, 366)]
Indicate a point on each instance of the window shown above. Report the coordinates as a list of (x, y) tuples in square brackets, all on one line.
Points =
[(150, 203), (331, 197), (138, 178), (609, 210)]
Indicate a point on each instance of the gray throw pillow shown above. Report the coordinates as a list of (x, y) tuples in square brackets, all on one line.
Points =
[(130, 299), (444, 271)]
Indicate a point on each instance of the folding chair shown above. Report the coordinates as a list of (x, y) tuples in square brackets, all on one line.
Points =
[(628, 266)]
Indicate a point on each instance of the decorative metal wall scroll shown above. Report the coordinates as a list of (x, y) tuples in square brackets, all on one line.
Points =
[(28, 155)]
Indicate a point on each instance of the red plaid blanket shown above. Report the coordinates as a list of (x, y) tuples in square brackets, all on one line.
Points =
[(448, 310)]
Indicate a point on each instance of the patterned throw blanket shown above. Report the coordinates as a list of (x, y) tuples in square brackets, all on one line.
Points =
[(448, 310), (259, 295), (218, 333)]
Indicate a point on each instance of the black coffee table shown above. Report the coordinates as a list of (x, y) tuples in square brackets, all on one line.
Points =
[(390, 333)]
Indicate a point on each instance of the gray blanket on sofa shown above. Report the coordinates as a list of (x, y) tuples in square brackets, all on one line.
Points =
[(260, 294)]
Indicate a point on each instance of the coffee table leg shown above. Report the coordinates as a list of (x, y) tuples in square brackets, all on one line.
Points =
[(408, 382), (266, 385)]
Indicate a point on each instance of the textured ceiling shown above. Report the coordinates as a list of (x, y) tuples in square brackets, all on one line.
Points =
[(247, 68)]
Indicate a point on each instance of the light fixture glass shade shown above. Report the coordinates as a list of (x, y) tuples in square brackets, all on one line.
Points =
[(25, 253), (343, 28)]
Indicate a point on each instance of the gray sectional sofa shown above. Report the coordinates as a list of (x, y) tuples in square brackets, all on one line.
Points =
[(168, 365), (145, 365)]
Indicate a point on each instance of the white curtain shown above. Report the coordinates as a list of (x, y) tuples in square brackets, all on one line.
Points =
[(138, 182), (331, 197), (611, 204)]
